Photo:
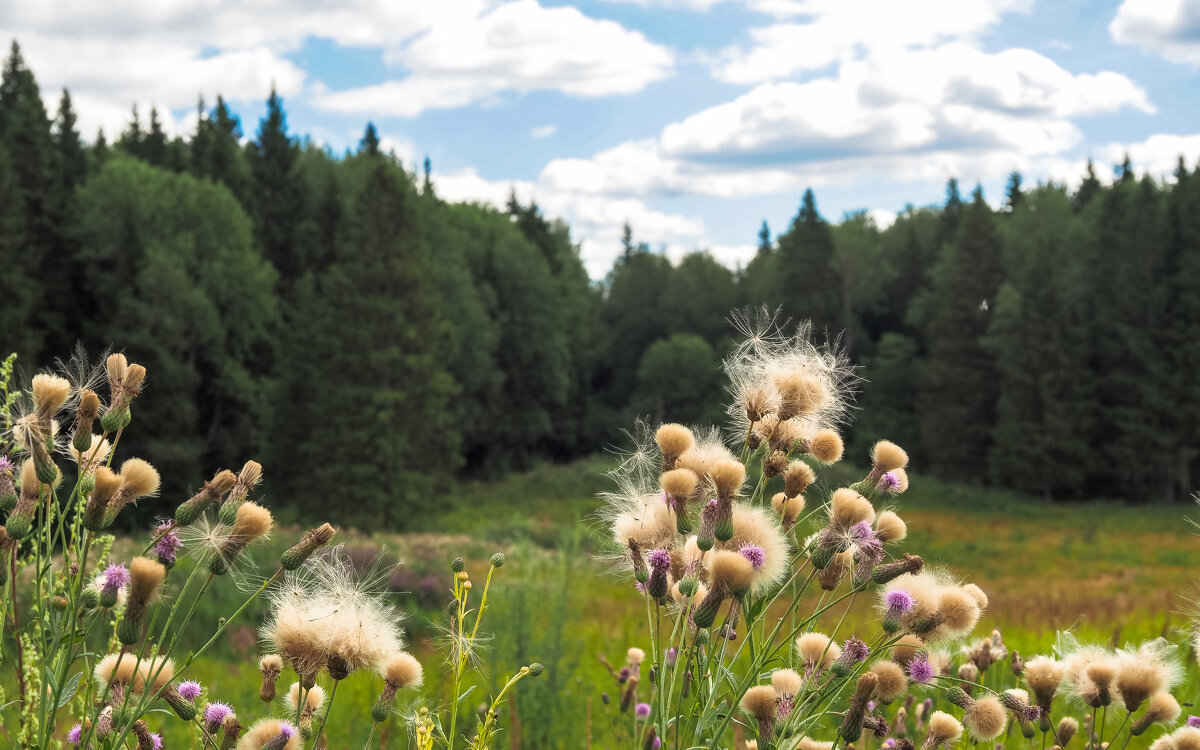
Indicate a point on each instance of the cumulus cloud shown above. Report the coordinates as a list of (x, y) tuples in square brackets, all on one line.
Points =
[(1170, 28), (519, 47)]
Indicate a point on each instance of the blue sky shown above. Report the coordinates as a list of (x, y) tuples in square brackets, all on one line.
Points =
[(694, 120)]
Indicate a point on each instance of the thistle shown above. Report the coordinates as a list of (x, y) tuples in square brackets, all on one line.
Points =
[(125, 383), (313, 540), (20, 520), (269, 666), (211, 492), (144, 577), (402, 670)]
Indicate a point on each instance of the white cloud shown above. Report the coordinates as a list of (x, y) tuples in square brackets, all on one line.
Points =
[(834, 31), (1170, 28), (543, 131), (518, 46)]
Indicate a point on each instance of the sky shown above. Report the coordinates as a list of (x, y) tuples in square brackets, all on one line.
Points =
[(692, 120)]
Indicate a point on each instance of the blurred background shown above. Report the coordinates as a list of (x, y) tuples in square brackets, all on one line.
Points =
[(426, 261)]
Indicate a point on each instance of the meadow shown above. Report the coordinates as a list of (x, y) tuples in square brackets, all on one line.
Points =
[(1106, 571)]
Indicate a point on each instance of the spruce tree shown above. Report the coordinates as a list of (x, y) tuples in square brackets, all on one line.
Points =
[(958, 393), (154, 146), (133, 137), (272, 159), (1088, 189), (369, 144), (72, 157), (809, 287)]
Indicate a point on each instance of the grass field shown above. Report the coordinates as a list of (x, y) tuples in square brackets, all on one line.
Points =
[(1108, 572)]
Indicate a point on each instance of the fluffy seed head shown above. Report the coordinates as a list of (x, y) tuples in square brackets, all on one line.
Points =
[(889, 527), (50, 392), (138, 478), (786, 682), (985, 719), (1161, 708), (265, 730), (847, 507), (891, 681), (907, 648), (977, 594), (679, 482), (901, 481), (759, 702), (313, 698), (673, 440), (732, 571), (755, 526), (888, 456), (788, 508), (797, 478), (1186, 738), (253, 521), (403, 670), (1043, 675), (727, 478), (1067, 727), (826, 446), (958, 611), (943, 730), (817, 651), (145, 576), (635, 656)]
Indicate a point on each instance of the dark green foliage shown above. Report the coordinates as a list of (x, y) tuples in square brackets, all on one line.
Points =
[(276, 191), (678, 381), (809, 287)]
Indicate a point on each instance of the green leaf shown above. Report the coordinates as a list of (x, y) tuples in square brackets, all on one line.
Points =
[(69, 690), (465, 693)]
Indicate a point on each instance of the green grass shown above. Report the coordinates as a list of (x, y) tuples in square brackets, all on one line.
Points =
[(1108, 572)]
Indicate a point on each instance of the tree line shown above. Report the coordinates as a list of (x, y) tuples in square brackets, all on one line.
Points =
[(369, 340)]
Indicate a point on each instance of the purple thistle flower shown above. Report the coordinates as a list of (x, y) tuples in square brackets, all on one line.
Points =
[(1031, 713), (156, 741), (659, 559), (920, 670), (75, 736), (287, 729), (754, 554), (6, 464), (624, 675), (887, 482), (641, 711), (656, 744), (189, 690), (1193, 721), (870, 706), (855, 650), (672, 656), (215, 715), (116, 577), (889, 743), (900, 601), (168, 546), (640, 588)]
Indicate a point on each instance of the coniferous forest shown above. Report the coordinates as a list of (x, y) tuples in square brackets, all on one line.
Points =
[(371, 340)]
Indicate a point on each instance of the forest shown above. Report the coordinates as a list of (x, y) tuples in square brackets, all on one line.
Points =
[(372, 342)]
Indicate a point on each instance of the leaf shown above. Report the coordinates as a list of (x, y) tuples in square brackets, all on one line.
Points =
[(465, 693), (69, 689)]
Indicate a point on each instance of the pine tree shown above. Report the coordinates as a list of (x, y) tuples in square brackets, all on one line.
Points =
[(19, 286), (99, 152), (1012, 192), (764, 238), (132, 137), (217, 153), (952, 211), (809, 287), (272, 160), (1088, 189)]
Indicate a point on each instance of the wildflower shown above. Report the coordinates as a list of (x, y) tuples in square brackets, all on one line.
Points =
[(635, 656), (731, 575), (215, 715), (985, 718), (854, 652), (270, 666), (788, 508), (888, 572), (830, 577), (313, 540), (906, 649), (1017, 701), (1193, 721), (271, 734), (113, 580), (138, 479), (1043, 675), (125, 383), (755, 528), (660, 563), (817, 652), (787, 684), (897, 603), (105, 484), (253, 522), (889, 527), (182, 699), (759, 702), (671, 656), (167, 546), (727, 478), (146, 739), (145, 575), (1162, 708), (679, 486), (852, 721), (82, 439), (941, 609), (400, 671), (827, 447), (754, 554), (231, 732), (797, 478), (314, 698), (325, 616), (673, 440), (868, 551), (641, 711), (209, 493), (247, 479), (19, 523), (944, 730), (920, 670), (891, 682), (1144, 671)]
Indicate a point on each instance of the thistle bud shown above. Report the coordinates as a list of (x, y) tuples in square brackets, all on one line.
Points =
[(85, 417), (458, 565), (183, 707), (536, 669), (498, 560), (144, 577), (247, 479), (723, 522), (270, 667), (193, 508), (888, 572), (706, 612), (20, 521), (231, 732), (852, 721), (640, 573), (313, 540)]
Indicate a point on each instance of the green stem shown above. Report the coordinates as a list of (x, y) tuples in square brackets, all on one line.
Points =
[(325, 718)]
